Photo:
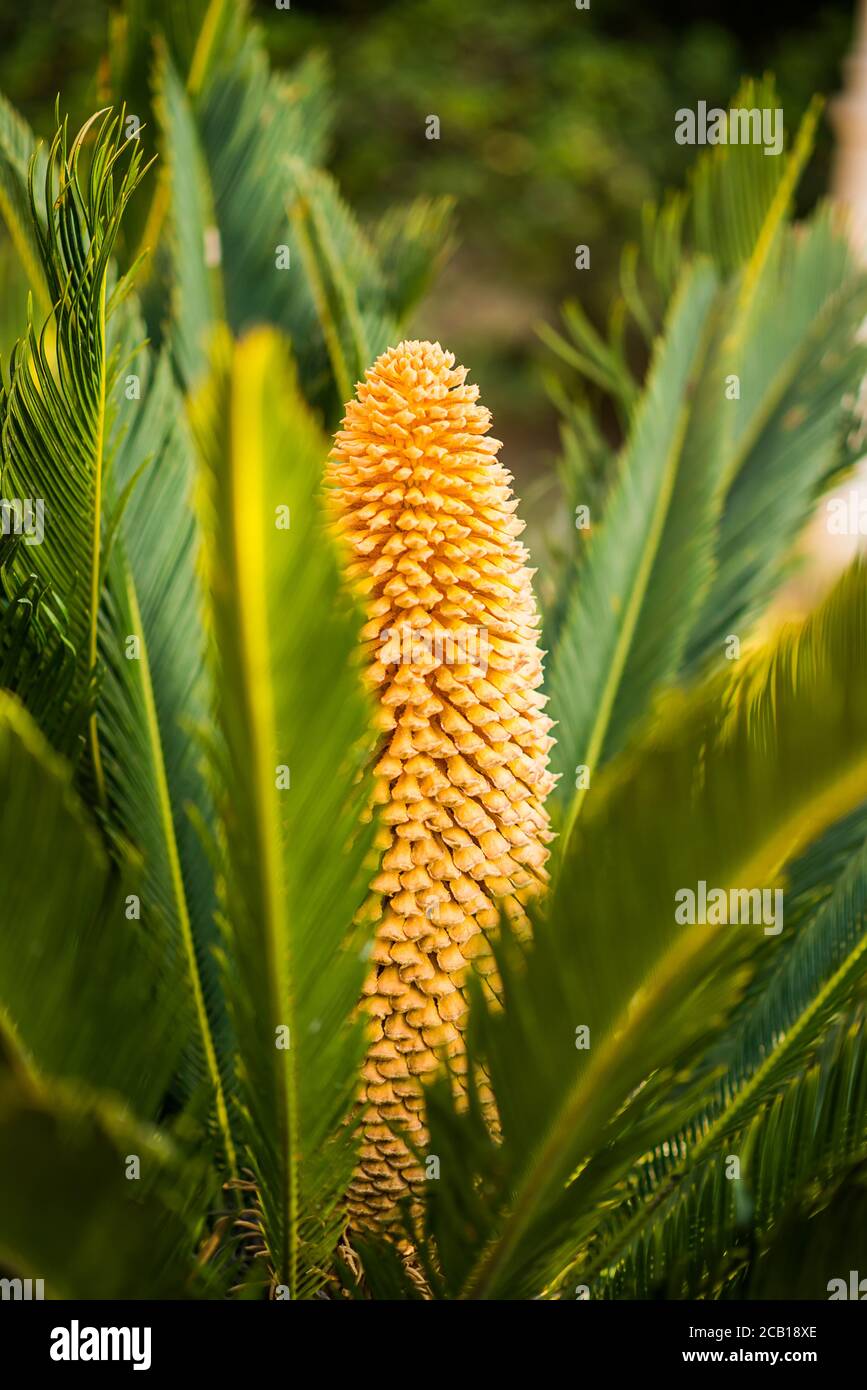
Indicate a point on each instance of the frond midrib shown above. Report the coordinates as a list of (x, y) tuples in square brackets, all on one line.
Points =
[(252, 607)]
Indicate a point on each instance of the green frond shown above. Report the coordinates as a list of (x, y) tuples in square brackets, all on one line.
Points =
[(80, 979), (766, 414), (686, 1238), (795, 356), (199, 34), (728, 785), (284, 248), (38, 664), (200, 37), (782, 1025), (412, 244), (55, 407), (738, 197), (649, 562), (735, 202), (153, 694), (814, 981), (293, 725), (587, 470), (120, 477), (251, 122), (342, 277), (817, 1244), (587, 351), (17, 148), (197, 293), (65, 1153)]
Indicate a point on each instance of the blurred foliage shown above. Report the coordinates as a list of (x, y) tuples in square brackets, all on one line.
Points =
[(557, 125)]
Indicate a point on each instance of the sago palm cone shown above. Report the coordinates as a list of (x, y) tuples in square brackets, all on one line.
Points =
[(426, 513)]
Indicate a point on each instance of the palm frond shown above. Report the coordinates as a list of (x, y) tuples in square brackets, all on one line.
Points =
[(17, 148), (688, 1238), (766, 417), (283, 247), (412, 244), (251, 122), (735, 203), (727, 786), (200, 37), (627, 624), (104, 1230), (342, 277), (818, 1243), (56, 406), (38, 664), (153, 695), (814, 981), (777, 1034), (290, 793), (198, 295), (795, 356), (71, 934), (143, 569)]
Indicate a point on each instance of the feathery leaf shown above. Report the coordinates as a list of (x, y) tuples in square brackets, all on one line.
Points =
[(729, 784), (628, 620), (293, 727), (65, 1154), (55, 409), (67, 934)]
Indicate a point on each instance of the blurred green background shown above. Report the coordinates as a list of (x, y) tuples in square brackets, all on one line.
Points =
[(556, 125)]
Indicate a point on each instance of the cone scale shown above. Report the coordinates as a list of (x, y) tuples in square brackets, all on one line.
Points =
[(426, 514)]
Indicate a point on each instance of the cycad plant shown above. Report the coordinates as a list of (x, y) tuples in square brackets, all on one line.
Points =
[(294, 1000)]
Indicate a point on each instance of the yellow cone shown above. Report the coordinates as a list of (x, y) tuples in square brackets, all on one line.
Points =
[(426, 511)]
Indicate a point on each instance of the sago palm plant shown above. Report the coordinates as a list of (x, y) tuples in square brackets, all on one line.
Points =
[(299, 995)]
